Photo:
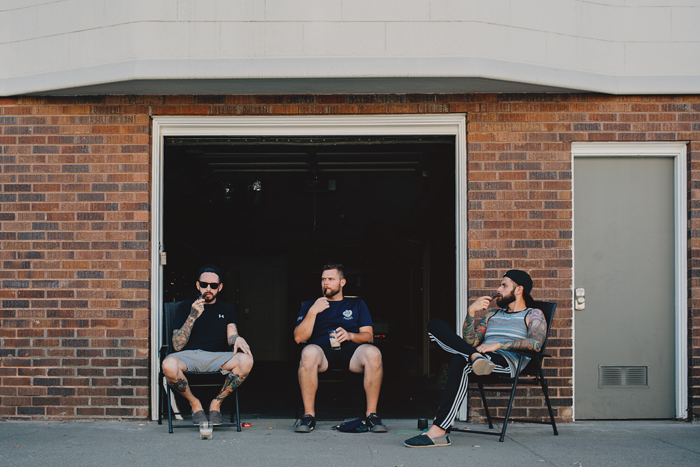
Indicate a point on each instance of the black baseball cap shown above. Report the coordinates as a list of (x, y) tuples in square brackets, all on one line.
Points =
[(522, 278), (209, 268)]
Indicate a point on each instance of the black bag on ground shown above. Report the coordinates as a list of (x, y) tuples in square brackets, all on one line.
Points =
[(358, 425)]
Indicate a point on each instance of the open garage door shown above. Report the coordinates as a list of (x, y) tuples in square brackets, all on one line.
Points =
[(272, 210)]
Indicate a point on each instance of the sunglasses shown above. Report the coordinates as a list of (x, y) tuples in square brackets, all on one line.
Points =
[(213, 285)]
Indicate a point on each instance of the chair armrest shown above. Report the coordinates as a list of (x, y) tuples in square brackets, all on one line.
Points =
[(163, 352)]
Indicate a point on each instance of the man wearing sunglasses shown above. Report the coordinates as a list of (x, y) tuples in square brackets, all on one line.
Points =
[(206, 339)]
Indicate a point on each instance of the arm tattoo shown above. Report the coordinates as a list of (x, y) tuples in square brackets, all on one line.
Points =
[(474, 336), (468, 330), (536, 334), (180, 385), (232, 331), (182, 336), (232, 382), (232, 339)]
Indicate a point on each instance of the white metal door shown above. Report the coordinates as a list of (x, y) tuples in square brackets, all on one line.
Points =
[(624, 233)]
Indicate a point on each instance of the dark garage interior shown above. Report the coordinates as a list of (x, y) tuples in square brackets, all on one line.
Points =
[(270, 211)]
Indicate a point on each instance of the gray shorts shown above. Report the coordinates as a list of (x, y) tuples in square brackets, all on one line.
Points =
[(201, 361)]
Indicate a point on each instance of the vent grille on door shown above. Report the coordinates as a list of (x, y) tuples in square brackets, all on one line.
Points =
[(623, 376)]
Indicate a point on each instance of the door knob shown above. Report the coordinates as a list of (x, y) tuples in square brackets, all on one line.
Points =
[(579, 299)]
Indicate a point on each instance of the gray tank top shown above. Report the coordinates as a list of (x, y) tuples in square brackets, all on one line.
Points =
[(507, 327)]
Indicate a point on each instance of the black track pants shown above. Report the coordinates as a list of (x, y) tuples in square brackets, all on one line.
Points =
[(460, 367)]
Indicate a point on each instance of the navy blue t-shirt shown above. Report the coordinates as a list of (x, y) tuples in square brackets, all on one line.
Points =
[(349, 313), (209, 330)]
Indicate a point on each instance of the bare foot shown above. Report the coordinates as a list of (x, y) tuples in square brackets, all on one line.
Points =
[(196, 406), (435, 431), (215, 406)]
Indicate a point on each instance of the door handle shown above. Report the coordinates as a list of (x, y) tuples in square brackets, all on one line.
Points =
[(580, 299)]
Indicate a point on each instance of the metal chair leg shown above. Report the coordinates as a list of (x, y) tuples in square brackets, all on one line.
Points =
[(545, 390), (486, 405), (161, 402), (170, 413), (510, 403), (238, 414)]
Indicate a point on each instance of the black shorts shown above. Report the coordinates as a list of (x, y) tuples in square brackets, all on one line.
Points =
[(339, 358)]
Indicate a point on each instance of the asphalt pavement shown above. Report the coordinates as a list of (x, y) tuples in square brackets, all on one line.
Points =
[(272, 442)]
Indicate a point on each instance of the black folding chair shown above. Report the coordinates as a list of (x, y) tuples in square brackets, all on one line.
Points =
[(532, 374), (195, 380)]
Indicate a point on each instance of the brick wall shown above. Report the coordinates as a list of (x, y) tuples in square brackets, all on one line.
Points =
[(75, 259), (520, 211), (74, 225)]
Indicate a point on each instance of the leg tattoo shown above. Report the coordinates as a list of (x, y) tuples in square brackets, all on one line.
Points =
[(180, 385), (232, 382)]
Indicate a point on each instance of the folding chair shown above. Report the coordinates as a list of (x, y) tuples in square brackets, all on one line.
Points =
[(532, 374), (195, 380)]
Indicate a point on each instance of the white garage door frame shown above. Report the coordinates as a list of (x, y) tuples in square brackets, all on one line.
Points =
[(678, 151), (355, 125)]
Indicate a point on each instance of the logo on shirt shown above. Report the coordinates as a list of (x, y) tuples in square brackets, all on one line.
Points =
[(347, 315), (222, 316)]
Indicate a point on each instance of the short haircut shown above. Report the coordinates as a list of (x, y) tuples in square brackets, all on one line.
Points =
[(209, 268), (338, 266)]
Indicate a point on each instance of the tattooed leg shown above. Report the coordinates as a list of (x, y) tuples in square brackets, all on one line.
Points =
[(180, 385), (174, 373), (233, 380)]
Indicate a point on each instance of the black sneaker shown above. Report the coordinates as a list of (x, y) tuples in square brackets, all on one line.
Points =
[(306, 424), (375, 424)]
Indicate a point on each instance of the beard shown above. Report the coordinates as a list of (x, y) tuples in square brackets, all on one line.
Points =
[(329, 292), (208, 297), (503, 302)]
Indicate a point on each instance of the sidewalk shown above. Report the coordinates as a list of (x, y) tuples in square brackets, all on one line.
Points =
[(271, 442)]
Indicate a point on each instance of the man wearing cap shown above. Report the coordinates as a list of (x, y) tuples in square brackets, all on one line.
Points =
[(206, 339), (485, 348)]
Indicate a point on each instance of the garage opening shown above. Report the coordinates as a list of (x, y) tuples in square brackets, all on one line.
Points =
[(270, 211)]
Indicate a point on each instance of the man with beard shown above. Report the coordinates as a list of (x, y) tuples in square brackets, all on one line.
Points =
[(206, 339), (350, 319), (484, 349)]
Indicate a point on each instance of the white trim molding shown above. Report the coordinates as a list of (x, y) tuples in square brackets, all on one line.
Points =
[(678, 151), (444, 124)]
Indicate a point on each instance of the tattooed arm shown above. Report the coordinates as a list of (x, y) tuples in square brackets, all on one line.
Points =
[(236, 341), (182, 336), (536, 333), (471, 335)]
